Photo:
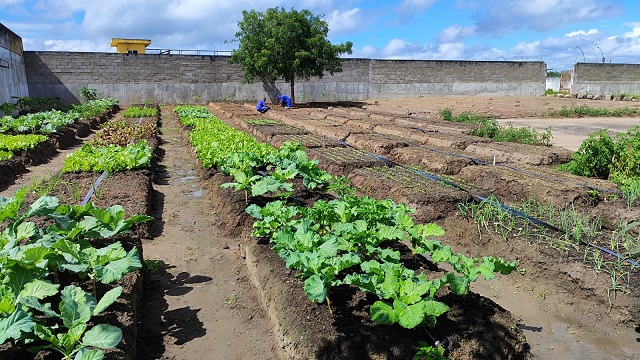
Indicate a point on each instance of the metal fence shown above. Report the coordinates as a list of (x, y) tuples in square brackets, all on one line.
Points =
[(187, 52)]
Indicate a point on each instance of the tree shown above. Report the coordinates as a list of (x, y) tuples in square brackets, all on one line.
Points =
[(288, 44)]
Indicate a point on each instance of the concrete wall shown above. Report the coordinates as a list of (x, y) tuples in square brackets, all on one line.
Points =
[(13, 78), (136, 78), (605, 79), (410, 78)]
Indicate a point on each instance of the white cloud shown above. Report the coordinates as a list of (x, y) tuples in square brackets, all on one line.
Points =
[(394, 47), (76, 45), (581, 32), (633, 34), (451, 51), (367, 51), (345, 21), (455, 33), (540, 15)]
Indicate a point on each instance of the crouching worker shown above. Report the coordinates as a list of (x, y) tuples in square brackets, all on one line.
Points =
[(262, 107), (284, 101)]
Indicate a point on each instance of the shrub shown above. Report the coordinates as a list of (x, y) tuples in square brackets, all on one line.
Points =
[(88, 93), (593, 157)]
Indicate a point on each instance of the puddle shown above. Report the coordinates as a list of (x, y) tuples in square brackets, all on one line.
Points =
[(198, 193), (183, 179)]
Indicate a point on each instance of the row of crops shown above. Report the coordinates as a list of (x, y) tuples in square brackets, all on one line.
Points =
[(61, 264), (27, 131), (347, 240)]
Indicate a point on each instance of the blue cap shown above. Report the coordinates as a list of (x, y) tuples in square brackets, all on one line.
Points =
[(279, 96)]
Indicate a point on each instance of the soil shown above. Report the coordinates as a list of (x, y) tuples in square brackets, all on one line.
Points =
[(219, 293)]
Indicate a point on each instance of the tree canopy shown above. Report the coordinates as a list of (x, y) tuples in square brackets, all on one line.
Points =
[(287, 44)]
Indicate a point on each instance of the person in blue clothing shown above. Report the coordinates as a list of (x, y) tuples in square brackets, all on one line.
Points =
[(284, 100), (262, 107)]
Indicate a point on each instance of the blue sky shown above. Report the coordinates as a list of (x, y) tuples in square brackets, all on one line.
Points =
[(558, 32)]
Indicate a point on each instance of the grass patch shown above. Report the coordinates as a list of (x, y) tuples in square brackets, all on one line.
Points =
[(577, 111), (489, 128)]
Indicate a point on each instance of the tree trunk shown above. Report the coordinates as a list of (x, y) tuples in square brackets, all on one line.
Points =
[(293, 95)]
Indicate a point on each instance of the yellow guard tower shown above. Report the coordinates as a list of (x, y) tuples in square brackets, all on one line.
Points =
[(130, 46)]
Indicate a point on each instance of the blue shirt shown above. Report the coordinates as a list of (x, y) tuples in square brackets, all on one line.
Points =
[(285, 100), (260, 105)]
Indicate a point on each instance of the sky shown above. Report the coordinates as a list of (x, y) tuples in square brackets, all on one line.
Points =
[(557, 32)]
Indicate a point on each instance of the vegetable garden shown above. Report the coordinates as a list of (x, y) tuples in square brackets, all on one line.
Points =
[(365, 232)]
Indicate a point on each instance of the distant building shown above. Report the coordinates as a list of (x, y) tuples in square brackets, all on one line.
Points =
[(130, 46)]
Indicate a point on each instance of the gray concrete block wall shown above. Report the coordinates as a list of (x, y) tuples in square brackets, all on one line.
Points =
[(605, 79), (13, 77), (135, 78)]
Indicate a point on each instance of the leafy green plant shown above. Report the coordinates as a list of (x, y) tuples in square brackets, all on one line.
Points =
[(8, 108), (122, 133), (32, 256), (592, 157), (137, 112), (429, 352), (616, 158), (88, 93), (262, 122), (344, 241), (14, 143), (76, 310), (489, 128), (109, 158)]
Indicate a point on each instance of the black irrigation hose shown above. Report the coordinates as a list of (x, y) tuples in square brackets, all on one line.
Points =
[(93, 187), (479, 162), (104, 174), (505, 207)]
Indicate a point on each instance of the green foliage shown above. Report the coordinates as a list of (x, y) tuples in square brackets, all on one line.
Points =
[(489, 128), (88, 93), (5, 155), (109, 158), (32, 256), (554, 73), (8, 108), (42, 122), (137, 112), (46, 122), (122, 133), (617, 159), (262, 122), (582, 110), (93, 108), (428, 352), (508, 133), (287, 44), (39, 104), (14, 143), (339, 241)]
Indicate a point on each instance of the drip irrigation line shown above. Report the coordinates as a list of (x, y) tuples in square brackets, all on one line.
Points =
[(104, 174), (505, 207), (479, 162), (94, 187)]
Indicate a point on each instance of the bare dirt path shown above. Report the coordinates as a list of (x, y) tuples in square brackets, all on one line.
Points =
[(39, 172), (200, 304)]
